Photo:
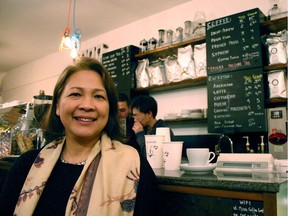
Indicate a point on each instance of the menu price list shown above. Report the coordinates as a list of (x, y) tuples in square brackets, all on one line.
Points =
[(234, 42), (236, 102), (120, 65), (247, 208)]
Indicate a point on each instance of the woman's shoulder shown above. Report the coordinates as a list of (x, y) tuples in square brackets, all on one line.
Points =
[(124, 147)]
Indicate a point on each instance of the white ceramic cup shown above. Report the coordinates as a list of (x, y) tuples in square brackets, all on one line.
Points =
[(199, 156), (164, 131), (172, 154), (153, 145)]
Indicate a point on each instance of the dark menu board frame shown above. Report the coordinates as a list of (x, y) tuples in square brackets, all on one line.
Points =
[(234, 42), (121, 67), (236, 102)]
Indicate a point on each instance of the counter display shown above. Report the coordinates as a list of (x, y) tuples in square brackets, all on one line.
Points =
[(210, 195)]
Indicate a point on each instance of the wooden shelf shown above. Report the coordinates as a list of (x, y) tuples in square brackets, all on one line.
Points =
[(276, 102), (175, 85), (186, 120), (274, 25), (275, 67), (170, 49)]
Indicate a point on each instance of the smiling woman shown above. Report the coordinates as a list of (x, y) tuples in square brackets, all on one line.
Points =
[(88, 153)]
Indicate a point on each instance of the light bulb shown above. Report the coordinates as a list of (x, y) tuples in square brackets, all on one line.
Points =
[(67, 43), (65, 40), (74, 53)]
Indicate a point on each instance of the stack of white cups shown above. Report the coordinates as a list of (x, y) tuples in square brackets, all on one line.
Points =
[(162, 152)]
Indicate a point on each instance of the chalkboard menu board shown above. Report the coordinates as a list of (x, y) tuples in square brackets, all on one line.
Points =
[(236, 102), (121, 67), (234, 42), (247, 208)]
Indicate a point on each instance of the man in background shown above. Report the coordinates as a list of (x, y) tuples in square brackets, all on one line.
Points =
[(126, 120), (123, 106), (144, 111)]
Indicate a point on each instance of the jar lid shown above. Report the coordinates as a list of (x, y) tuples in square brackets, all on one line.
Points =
[(143, 42)]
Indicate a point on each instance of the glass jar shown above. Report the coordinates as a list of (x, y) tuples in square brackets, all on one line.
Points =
[(274, 12), (152, 43), (144, 45), (23, 134), (179, 35), (161, 40), (199, 21), (188, 30), (169, 36)]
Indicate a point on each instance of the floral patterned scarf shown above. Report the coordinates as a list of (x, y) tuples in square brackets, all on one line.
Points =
[(112, 191)]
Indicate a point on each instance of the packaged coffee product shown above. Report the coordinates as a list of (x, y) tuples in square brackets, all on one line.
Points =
[(173, 69), (200, 60), (186, 62), (277, 84), (156, 73), (277, 51), (141, 74)]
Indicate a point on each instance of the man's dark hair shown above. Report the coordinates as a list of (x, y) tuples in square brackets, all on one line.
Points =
[(122, 97), (145, 104)]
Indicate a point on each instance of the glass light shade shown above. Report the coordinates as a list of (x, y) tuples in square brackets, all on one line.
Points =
[(75, 40)]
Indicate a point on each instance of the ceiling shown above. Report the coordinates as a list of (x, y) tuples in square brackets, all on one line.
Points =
[(31, 29)]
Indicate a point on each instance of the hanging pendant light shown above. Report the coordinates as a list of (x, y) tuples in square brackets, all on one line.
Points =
[(66, 41), (72, 43), (75, 43)]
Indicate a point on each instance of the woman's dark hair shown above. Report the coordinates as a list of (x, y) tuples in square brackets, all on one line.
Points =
[(52, 123), (145, 104)]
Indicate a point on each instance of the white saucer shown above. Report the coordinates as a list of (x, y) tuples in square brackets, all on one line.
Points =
[(198, 169)]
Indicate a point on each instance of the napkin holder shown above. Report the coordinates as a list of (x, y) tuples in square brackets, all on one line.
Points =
[(245, 167)]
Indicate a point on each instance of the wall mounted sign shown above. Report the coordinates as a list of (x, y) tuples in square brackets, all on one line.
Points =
[(234, 42), (236, 102), (120, 66)]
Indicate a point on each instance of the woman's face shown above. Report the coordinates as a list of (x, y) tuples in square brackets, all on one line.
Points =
[(83, 106)]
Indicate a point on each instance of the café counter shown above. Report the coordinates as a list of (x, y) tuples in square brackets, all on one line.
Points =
[(187, 193)]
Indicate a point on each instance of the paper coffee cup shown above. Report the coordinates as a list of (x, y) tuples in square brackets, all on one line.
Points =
[(153, 145), (164, 131), (172, 154)]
